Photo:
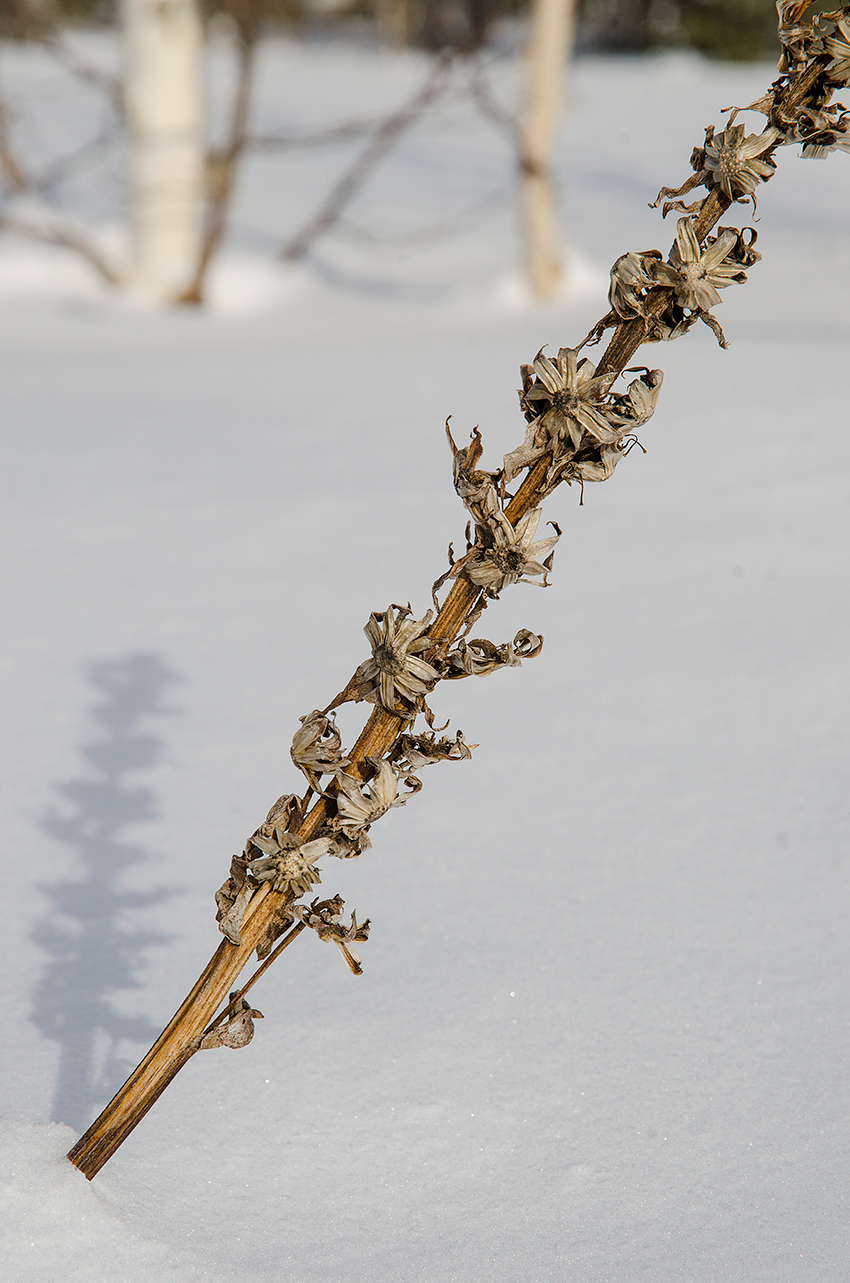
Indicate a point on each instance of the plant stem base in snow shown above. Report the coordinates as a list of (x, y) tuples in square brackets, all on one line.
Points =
[(185, 1032)]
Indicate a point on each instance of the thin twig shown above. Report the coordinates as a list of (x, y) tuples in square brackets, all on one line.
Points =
[(492, 110), (237, 997), (314, 137), (69, 238), (111, 86)]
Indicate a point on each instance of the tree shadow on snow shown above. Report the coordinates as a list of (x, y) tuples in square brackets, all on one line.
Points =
[(92, 936)]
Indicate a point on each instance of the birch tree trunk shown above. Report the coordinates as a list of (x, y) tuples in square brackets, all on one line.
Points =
[(550, 41), (165, 113)]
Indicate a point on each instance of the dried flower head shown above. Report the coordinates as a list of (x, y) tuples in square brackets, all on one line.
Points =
[(570, 415), (412, 752), (360, 805), (316, 747), (734, 160), (475, 487), (287, 863), (695, 274), (838, 47), (478, 657), (632, 276), (641, 399), (575, 397), (512, 555), (395, 668), (325, 918), (821, 132)]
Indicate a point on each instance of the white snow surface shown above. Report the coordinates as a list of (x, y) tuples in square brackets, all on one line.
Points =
[(602, 1028)]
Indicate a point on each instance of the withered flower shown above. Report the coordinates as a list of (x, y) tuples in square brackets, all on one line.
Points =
[(641, 399), (287, 863), (358, 809), (479, 657), (325, 918), (575, 395), (696, 275), (395, 666), (316, 747), (475, 487), (838, 47), (632, 276), (821, 132), (513, 554), (575, 409), (416, 751), (733, 161)]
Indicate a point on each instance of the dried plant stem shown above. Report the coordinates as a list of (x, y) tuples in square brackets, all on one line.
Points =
[(181, 1038), (261, 970), (571, 389)]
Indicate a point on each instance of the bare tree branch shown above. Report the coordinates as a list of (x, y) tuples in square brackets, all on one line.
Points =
[(57, 233), (381, 142)]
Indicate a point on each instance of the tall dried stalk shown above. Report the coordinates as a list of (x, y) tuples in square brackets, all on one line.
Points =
[(578, 428)]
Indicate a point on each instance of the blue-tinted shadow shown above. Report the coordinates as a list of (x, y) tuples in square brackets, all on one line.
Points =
[(91, 934)]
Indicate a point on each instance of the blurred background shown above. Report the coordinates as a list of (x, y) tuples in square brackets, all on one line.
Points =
[(126, 130)]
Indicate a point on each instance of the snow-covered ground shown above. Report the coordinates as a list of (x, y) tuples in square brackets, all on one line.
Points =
[(602, 1031)]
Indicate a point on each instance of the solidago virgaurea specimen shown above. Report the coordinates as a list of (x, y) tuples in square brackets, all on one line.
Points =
[(582, 420)]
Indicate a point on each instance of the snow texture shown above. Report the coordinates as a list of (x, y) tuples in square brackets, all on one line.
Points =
[(601, 1032)]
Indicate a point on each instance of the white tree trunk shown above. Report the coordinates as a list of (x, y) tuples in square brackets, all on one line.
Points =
[(165, 111), (550, 41)]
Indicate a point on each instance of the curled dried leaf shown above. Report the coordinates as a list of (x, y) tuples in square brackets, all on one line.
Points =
[(480, 657), (236, 1031), (476, 488), (232, 899)]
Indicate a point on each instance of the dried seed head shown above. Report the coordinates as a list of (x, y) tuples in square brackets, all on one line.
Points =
[(316, 747), (359, 805), (287, 863), (325, 920), (412, 752), (735, 161), (512, 555), (395, 670)]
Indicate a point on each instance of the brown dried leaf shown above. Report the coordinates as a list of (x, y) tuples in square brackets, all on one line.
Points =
[(237, 1030)]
